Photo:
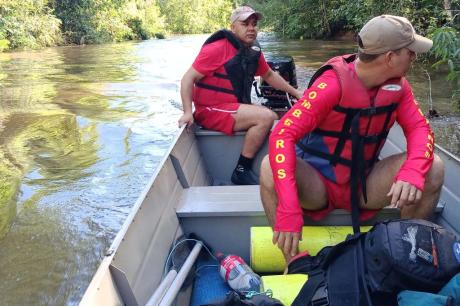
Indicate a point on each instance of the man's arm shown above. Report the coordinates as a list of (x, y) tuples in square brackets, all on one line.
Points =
[(186, 92), (409, 182), (275, 80), (301, 119)]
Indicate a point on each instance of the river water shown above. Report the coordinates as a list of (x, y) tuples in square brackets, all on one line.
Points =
[(81, 131)]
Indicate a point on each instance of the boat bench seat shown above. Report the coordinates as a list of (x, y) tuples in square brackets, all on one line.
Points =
[(229, 200), (221, 201), (240, 201)]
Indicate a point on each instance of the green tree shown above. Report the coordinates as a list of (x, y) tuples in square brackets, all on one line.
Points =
[(96, 21), (446, 48), (325, 18), (195, 16), (28, 24), (89, 21)]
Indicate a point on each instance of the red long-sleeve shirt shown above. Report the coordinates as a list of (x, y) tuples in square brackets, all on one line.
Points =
[(314, 107)]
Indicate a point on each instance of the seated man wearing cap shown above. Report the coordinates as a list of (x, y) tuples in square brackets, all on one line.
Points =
[(219, 82), (323, 154)]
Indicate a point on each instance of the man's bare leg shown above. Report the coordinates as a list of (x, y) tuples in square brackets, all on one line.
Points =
[(311, 191), (257, 121), (382, 177)]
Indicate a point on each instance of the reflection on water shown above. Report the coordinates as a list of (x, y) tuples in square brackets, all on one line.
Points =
[(81, 131)]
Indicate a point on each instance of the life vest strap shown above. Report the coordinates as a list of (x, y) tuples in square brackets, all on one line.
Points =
[(366, 112), (327, 156), (368, 139), (357, 172), (221, 76), (215, 88)]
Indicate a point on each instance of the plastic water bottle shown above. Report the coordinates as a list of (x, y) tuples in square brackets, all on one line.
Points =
[(238, 274)]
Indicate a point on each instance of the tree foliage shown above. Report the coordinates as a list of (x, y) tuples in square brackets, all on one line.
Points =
[(95, 21), (327, 18), (195, 16), (40, 23), (27, 23), (446, 48), (330, 18)]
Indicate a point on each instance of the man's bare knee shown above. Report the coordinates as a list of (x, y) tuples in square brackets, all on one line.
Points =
[(435, 177), (267, 117), (430, 197), (266, 177), (273, 115)]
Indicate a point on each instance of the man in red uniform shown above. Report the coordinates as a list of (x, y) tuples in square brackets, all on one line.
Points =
[(323, 154), (219, 84)]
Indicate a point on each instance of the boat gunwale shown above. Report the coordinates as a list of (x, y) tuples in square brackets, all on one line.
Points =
[(448, 153)]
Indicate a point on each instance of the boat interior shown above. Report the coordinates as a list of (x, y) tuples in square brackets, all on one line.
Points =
[(191, 193)]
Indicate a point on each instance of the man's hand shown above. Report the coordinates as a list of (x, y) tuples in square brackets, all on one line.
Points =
[(273, 78), (288, 242), (187, 119), (298, 95), (404, 193)]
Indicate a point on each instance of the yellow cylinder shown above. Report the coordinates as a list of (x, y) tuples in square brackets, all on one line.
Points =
[(284, 287), (268, 258)]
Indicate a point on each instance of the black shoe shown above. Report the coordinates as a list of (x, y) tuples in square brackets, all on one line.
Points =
[(243, 176)]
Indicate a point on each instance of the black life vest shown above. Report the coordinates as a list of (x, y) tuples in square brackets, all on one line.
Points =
[(365, 123), (241, 69)]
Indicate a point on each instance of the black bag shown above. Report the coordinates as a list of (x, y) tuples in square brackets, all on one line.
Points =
[(410, 255), (372, 268)]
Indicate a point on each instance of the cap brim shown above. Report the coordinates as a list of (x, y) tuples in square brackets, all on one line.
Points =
[(244, 17), (420, 44)]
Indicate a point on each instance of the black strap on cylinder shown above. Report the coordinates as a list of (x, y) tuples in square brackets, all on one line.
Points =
[(308, 290)]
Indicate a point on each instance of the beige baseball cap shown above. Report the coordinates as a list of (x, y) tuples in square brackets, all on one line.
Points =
[(387, 33), (244, 12)]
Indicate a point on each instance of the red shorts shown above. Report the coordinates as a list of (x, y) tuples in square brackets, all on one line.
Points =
[(338, 197), (217, 117)]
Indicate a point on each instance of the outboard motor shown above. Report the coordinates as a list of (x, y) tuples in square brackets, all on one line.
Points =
[(277, 99)]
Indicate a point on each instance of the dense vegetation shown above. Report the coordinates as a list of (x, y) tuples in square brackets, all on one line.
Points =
[(32, 24), (331, 18), (328, 18), (446, 48)]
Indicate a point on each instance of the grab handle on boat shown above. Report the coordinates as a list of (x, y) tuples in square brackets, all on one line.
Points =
[(171, 293), (161, 290)]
